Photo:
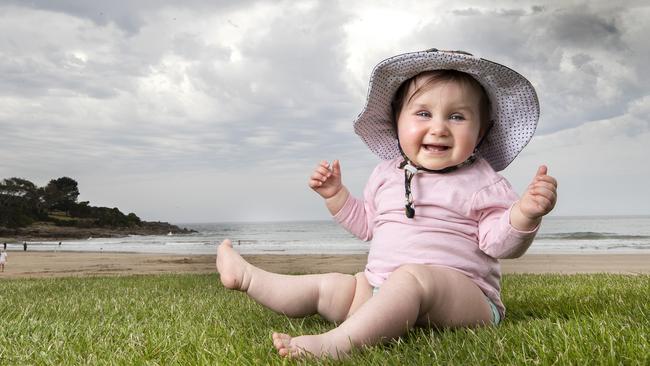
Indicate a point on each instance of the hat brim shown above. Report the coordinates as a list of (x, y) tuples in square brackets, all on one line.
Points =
[(514, 103)]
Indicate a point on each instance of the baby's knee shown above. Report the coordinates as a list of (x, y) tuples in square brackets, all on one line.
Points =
[(336, 293)]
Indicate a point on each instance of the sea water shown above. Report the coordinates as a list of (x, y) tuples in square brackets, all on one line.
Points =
[(558, 235)]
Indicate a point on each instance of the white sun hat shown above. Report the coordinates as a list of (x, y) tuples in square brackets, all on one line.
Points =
[(513, 101)]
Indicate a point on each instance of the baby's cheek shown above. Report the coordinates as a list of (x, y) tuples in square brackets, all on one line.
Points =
[(408, 133), (408, 141)]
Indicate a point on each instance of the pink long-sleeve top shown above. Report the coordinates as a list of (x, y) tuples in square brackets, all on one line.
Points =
[(462, 221)]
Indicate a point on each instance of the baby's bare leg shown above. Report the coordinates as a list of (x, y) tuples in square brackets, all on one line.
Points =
[(329, 295), (412, 294)]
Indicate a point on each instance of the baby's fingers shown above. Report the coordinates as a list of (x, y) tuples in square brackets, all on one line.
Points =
[(318, 176), (544, 192), (543, 198), (323, 168), (550, 188), (313, 183), (324, 171), (544, 204), (547, 179)]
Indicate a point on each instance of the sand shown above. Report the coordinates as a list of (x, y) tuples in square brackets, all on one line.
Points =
[(60, 264)]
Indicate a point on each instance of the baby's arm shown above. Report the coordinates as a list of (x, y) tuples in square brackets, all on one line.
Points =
[(327, 183), (538, 200)]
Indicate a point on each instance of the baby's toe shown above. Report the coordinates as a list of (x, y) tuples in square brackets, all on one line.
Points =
[(281, 342)]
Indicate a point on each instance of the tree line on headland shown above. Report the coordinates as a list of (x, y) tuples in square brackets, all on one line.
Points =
[(22, 204)]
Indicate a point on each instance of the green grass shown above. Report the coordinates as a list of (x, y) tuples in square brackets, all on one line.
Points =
[(191, 319)]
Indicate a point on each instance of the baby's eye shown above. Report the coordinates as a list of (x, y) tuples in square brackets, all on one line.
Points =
[(457, 117), (424, 114)]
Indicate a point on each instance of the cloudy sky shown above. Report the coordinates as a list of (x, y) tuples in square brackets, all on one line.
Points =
[(203, 111)]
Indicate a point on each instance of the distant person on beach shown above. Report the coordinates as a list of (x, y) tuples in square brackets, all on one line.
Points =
[(4, 245), (436, 212), (3, 260), (25, 246)]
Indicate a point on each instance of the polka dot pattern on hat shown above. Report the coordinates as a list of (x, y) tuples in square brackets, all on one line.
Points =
[(515, 107)]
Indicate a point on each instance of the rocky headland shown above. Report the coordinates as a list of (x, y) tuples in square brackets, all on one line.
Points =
[(47, 231)]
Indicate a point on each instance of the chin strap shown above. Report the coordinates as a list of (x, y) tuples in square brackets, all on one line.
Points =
[(410, 171)]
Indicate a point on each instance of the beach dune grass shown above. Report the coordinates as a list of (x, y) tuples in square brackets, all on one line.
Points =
[(600, 319)]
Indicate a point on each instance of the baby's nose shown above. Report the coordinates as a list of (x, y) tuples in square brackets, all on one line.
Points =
[(438, 126)]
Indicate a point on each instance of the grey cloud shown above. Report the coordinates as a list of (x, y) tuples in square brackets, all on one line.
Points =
[(57, 72), (512, 12), (581, 27), (53, 81), (581, 59), (128, 15), (119, 12), (584, 60), (537, 8), (466, 12), (600, 85), (499, 12), (289, 80), (193, 47)]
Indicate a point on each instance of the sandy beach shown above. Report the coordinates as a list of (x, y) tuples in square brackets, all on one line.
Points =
[(60, 264)]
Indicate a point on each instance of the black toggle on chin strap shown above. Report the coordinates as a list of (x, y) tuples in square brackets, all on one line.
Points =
[(409, 172)]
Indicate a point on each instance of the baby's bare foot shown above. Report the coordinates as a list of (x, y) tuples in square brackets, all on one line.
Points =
[(234, 271), (308, 346)]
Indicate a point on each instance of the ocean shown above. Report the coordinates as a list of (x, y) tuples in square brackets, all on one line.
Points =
[(558, 235)]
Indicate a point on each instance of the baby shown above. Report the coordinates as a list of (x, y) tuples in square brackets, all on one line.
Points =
[(436, 212)]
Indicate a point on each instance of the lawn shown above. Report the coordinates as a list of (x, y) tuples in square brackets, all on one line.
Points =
[(191, 319)]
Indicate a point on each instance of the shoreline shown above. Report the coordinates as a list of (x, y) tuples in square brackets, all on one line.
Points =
[(43, 264)]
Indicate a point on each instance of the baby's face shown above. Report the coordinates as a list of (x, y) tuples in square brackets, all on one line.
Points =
[(440, 127)]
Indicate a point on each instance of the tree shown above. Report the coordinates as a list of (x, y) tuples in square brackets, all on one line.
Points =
[(61, 194), (20, 202), (19, 187), (133, 219)]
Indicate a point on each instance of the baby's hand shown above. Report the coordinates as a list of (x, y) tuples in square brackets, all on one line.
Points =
[(326, 181), (541, 195)]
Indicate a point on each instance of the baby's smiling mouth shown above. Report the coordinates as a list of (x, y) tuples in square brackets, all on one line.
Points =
[(435, 148)]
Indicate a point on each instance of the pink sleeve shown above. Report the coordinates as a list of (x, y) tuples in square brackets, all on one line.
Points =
[(357, 216), (497, 238)]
